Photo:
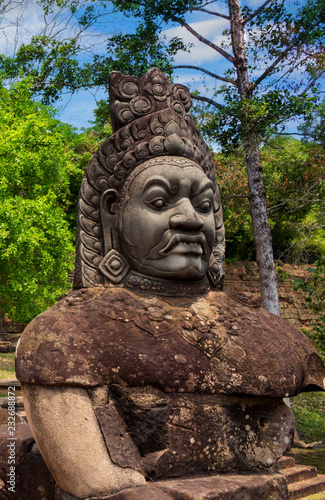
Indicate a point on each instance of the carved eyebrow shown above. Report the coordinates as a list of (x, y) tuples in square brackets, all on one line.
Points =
[(203, 186), (161, 182)]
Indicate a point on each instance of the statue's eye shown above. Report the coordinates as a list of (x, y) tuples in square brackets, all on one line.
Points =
[(158, 203), (205, 206)]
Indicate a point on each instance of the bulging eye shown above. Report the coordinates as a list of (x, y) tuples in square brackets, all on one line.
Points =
[(205, 206), (158, 204)]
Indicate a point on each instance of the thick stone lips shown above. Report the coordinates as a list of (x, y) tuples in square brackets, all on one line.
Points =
[(185, 243)]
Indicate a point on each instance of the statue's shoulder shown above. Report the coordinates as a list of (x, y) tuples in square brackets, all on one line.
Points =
[(75, 306)]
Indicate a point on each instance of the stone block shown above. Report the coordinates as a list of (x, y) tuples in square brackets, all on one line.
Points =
[(261, 486)]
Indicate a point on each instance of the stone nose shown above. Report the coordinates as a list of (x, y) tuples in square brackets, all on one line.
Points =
[(186, 219)]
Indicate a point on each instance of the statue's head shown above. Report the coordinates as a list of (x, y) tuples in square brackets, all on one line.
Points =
[(149, 208)]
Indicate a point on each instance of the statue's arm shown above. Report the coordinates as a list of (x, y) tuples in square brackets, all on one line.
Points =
[(68, 436)]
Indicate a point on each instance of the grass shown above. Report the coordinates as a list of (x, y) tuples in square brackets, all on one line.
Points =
[(316, 496), (7, 365), (309, 410)]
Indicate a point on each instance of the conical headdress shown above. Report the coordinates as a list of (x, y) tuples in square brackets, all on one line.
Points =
[(149, 118)]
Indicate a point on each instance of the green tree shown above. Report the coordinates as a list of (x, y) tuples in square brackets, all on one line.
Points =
[(294, 177), (36, 172), (233, 186), (313, 127)]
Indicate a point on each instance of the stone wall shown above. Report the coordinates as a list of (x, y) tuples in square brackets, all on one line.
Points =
[(242, 282), (9, 334)]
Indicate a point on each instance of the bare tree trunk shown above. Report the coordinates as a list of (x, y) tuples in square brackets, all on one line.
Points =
[(261, 227)]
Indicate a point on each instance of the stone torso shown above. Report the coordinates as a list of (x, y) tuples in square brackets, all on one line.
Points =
[(209, 344), (178, 385)]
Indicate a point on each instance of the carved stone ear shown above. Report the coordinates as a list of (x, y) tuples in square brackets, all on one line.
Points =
[(109, 202), (109, 220)]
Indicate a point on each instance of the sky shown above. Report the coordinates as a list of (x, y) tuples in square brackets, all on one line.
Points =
[(23, 21)]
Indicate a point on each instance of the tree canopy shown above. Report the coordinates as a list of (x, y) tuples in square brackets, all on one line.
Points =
[(294, 174), (36, 172)]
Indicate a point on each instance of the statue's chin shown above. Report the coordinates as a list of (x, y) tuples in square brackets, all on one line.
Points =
[(179, 267)]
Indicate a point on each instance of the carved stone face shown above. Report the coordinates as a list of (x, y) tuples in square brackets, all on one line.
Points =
[(167, 226)]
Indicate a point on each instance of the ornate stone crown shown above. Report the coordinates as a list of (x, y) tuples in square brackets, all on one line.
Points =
[(149, 118)]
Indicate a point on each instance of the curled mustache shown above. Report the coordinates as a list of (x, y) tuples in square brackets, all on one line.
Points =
[(171, 238)]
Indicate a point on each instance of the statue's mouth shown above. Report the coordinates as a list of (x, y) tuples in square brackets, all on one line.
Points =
[(184, 244)]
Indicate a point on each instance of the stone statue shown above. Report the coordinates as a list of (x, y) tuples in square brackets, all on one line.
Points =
[(147, 371)]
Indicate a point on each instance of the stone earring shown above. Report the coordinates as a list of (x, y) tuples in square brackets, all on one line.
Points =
[(214, 271), (114, 266)]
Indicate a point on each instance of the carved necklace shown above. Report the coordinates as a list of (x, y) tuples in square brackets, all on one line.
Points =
[(139, 281)]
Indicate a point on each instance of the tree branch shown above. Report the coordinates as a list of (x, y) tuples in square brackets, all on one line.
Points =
[(272, 146), (273, 65), (209, 44), (198, 68), (256, 12), (313, 81), (213, 13), (208, 100)]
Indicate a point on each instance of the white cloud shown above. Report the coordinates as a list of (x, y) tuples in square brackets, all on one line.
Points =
[(27, 19), (18, 25), (200, 52)]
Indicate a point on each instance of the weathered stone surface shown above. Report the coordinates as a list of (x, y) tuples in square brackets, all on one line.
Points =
[(141, 493), (151, 120), (221, 487), (121, 448), (179, 435), (12, 327), (242, 281), (228, 487), (117, 382), (263, 486), (208, 344)]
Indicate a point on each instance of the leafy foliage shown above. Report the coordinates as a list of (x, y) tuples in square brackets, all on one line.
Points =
[(57, 60), (233, 185), (273, 62), (290, 36), (36, 252), (315, 299), (37, 171), (313, 127), (284, 46), (309, 411), (294, 176), (294, 179)]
